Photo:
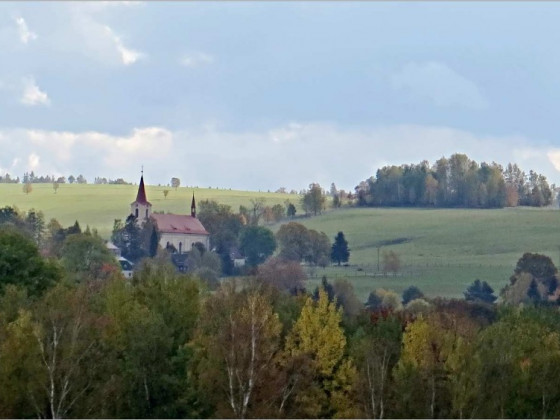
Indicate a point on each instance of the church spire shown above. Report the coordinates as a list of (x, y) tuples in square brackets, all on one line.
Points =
[(141, 196), (193, 207)]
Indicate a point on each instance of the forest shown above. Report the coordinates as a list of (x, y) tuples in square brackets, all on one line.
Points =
[(456, 181), (79, 340)]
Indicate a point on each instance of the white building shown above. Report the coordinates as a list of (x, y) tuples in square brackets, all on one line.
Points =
[(176, 231)]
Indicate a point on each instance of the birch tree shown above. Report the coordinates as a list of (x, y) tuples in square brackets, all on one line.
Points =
[(241, 333)]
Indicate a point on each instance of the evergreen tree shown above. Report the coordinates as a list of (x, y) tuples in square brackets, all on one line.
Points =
[(340, 251), (480, 291), (410, 294)]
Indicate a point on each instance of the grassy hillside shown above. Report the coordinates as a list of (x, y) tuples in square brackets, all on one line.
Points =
[(442, 250), (99, 205)]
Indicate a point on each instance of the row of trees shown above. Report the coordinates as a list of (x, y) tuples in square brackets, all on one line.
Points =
[(456, 181), (31, 178)]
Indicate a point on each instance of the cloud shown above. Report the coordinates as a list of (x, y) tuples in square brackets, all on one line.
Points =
[(292, 155), (196, 59), (128, 56), (33, 162), (554, 158), (25, 35), (440, 84), (32, 95)]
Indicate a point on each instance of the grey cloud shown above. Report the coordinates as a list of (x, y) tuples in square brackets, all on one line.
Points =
[(291, 156)]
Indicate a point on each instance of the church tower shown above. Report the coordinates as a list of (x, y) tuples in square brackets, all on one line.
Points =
[(141, 208), (193, 207)]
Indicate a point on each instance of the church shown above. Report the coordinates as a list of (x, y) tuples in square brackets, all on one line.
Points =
[(176, 231)]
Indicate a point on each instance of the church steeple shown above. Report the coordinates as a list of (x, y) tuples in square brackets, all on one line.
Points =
[(141, 207), (141, 196), (193, 207)]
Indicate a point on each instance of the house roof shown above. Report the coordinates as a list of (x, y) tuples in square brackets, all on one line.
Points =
[(176, 223), (141, 196)]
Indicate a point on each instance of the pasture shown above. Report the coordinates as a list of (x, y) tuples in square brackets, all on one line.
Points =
[(441, 250), (99, 205)]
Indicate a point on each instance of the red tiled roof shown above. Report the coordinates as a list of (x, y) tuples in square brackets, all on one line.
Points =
[(176, 223), (141, 196)]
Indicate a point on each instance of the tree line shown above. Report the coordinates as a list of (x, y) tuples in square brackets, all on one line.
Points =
[(456, 181)]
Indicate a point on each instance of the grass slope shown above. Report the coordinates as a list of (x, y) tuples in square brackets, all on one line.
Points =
[(99, 205), (442, 250)]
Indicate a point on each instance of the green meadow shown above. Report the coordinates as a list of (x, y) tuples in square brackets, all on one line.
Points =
[(441, 250), (99, 205)]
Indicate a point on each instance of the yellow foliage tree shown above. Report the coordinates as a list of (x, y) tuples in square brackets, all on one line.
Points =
[(317, 335)]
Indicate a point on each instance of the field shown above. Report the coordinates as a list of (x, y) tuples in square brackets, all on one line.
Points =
[(442, 250), (99, 205)]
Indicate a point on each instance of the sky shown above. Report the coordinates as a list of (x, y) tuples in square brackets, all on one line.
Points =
[(264, 95)]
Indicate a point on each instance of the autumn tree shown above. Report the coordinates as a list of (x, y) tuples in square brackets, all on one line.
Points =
[(317, 334), (391, 262), (27, 187), (282, 274), (532, 270), (55, 186), (165, 193), (313, 200)]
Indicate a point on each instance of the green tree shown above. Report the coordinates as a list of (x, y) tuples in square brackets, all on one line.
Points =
[(86, 257), (55, 186), (257, 243), (480, 291), (340, 251), (175, 183), (294, 242), (146, 325), (411, 293), (290, 210), (375, 347), (21, 264)]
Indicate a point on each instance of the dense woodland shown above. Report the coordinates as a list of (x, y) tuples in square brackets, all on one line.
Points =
[(78, 340), (456, 181)]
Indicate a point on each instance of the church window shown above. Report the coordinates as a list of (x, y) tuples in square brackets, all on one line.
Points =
[(136, 212), (180, 247)]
